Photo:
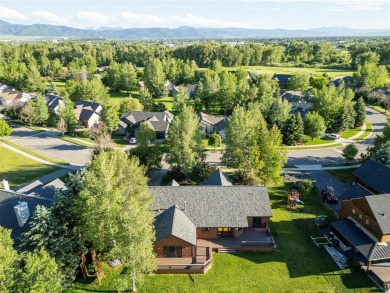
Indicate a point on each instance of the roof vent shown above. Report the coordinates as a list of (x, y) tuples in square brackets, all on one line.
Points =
[(5, 185), (22, 213)]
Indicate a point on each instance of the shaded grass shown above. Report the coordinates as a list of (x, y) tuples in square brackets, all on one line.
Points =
[(343, 175), (366, 133), (297, 265), (348, 133), (119, 140), (18, 169), (35, 154), (167, 101), (329, 146), (74, 141)]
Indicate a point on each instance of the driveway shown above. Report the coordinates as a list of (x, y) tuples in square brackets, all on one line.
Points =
[(47, 143)]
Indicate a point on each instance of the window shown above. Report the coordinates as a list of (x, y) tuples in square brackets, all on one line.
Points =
[(360, 216), (172, 251), (206, 230), (367, 222), (353, 211)]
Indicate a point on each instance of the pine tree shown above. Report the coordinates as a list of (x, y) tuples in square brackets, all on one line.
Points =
[(360, 109)]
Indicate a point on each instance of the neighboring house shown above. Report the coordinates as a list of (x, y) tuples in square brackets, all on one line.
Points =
[(381, 93), (217, 178), (347, 80), (6, 88), (191, 88), (373, 176), (211, 123), (17, 217), (54, 103), (15, 98), (157, 121), (355, 191), (364, 233), (141, 85), (87, 113), (300, 102), (282, 79), (191, 221)]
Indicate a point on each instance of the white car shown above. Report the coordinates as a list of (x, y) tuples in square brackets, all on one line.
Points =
[(132, 140), (332, 136)]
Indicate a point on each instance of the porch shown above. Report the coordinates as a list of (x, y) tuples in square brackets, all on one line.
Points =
[(252, 239), (200, 264)]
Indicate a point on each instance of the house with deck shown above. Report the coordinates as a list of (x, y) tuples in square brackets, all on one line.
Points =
[(363, 230), (193, 221)]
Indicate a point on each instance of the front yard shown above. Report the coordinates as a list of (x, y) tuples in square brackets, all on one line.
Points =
[(17, 169), (297, 265)]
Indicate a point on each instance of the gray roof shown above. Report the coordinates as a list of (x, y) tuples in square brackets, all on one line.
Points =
[(375, 175), (48, 190), (173, 183), (174, 222), (220, 122), (355, 191), (160, 126), (282, 78), (340, 79), (215, 206), (9, 199), (380, 207), (293, 96), (84, 110), (370, 249), (53, 101), (218, 177), (136, 117)]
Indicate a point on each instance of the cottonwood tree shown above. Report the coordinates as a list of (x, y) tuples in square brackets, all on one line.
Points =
[(184, 144), (254, 150), (110, 116), (41, 112), (299, 82), (154, 78), (314, 125), (129, 105), (5, 129), (8, 260), (115, 214), (181, 99)]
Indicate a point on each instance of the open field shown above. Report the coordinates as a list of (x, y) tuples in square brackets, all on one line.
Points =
[(297, 265), (18, 169)]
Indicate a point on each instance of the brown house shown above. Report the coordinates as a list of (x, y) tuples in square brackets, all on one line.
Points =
[(364, 232), (193, 221), (374, 176)]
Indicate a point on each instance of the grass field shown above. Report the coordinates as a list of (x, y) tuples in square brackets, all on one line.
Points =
[(297, 265), (293, 70), (18, 169), (348, 133), (367, 132)]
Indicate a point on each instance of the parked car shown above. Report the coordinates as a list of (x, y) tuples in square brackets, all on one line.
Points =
[(331, 136), (132, 140), (329, 195)]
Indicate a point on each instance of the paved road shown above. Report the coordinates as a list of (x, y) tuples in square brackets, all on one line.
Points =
[(330, 156), (49, 145)]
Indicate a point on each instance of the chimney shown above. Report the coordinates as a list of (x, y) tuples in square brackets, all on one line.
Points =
[(185, 206), (5, 185)]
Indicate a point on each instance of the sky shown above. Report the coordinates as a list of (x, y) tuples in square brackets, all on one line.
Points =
[(259, 14)]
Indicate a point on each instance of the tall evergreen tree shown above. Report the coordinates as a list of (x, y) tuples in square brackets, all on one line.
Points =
[(360, 109), (292, 130)]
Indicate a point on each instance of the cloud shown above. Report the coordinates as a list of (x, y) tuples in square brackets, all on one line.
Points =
[(6, 13), (93, 17), (50, 17), (146, 20)]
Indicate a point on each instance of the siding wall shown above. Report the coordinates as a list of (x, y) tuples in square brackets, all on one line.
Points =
[(187, 248)]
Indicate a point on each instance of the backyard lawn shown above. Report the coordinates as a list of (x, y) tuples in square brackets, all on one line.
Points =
[(342, 175), (297, 265), (17, 169)]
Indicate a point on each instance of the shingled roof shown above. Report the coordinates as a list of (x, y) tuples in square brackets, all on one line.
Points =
[(174, 222), (218, 177), (218, 121), (355, 191), (173, 183), (9, 199), (84, 110), (373, 174), (215, 206), (380, 207)]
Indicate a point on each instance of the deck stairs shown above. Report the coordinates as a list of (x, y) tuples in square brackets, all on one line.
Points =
[(226, 250), (338, 257)]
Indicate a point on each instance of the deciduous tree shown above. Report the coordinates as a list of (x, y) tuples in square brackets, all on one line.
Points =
[(5, 129), (314, 125), (350, 151)]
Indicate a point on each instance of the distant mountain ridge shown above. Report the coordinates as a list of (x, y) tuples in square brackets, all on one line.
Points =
[(184, 32)]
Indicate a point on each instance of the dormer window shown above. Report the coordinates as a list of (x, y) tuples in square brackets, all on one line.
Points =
[(367, 222)]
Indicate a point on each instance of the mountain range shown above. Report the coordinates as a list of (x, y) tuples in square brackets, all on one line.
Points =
[(183, 32)]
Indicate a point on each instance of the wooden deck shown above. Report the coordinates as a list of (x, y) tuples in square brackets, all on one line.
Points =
[(253, 239), (186, 265)]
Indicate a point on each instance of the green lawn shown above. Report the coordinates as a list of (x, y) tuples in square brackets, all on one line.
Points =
[(348, 133), (167, 101), (297, 265), (18, 169), (316, 141), (293, 70), (120, 141), (368, 131), (343, 175)]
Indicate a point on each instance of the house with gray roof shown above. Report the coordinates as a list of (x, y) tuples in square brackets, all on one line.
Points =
[(213, 123), (157, 121), (373, 176), (363, 229), (219, 178), (87, 113), (300, 102), (54, 103), (337, 81), (16, 210), (282, 79)]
